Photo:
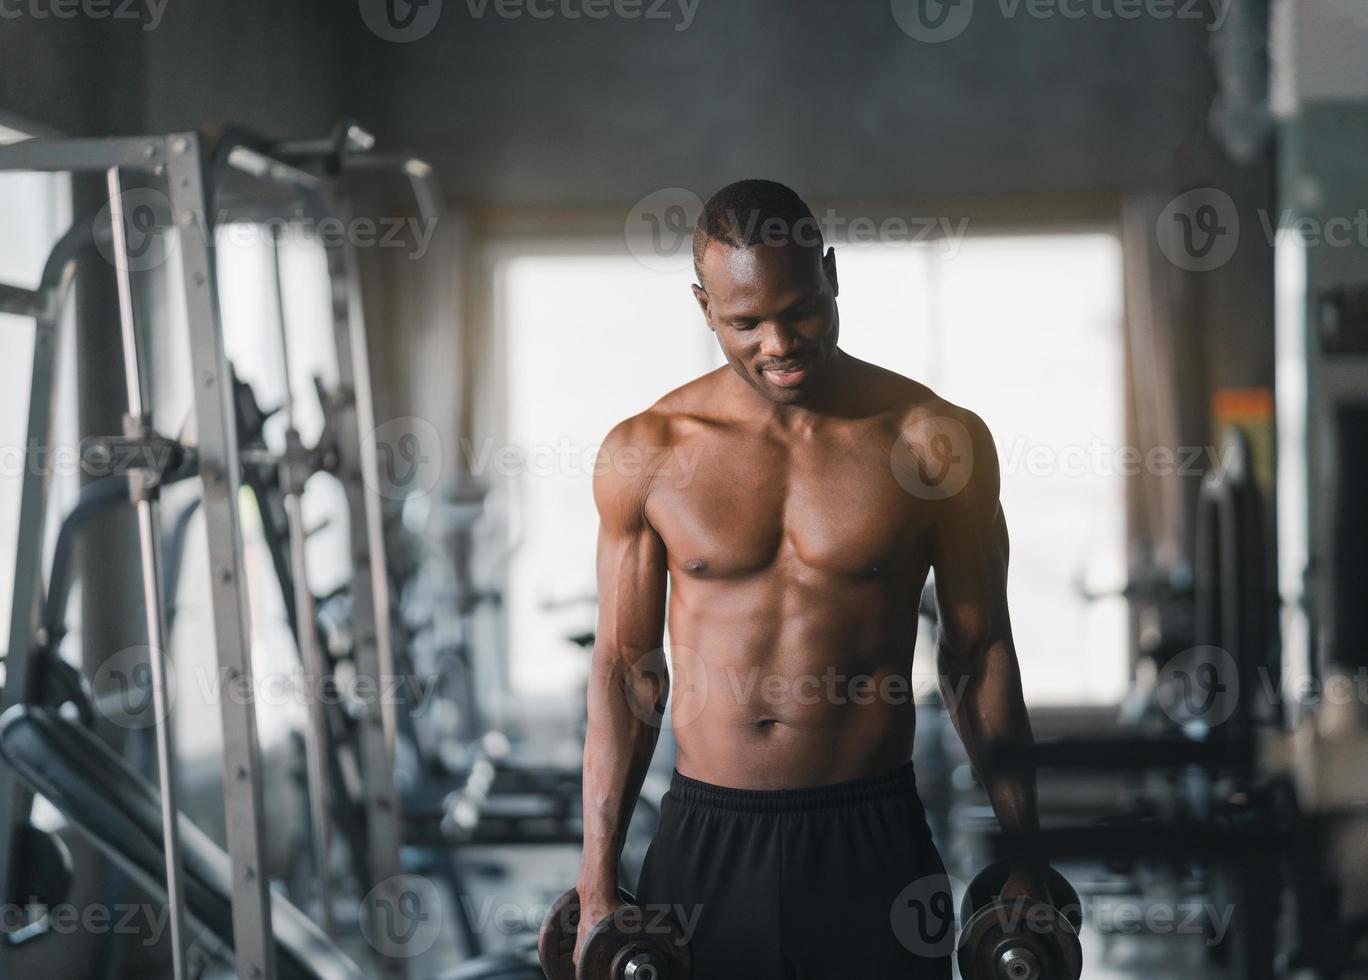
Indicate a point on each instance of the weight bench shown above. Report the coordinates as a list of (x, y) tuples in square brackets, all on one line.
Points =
[(120, 812)]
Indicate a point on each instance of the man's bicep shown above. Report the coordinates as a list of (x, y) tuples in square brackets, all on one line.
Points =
[(631, 571), (970, 562)]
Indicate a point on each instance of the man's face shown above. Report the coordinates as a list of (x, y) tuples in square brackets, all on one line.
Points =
[(774, 312)]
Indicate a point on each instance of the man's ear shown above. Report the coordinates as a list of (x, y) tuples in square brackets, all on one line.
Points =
[(701, 295), (829, 267)]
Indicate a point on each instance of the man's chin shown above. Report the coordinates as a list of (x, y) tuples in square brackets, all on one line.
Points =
[(785, 395)]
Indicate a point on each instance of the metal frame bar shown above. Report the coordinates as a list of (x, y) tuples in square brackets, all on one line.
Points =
[(220, 477), (149, 542), (46, 305), (370, 584), (178, 156), (19, 301), (306, 626), (374, 659)]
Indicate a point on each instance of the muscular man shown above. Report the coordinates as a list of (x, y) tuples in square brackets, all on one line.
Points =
[(820, 490)]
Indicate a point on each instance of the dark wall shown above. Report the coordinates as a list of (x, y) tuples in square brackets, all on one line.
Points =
[(832, 97), (179, 65)]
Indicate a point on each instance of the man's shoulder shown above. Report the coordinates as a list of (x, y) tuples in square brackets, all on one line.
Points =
[(906, 402), (662, 424), (934, 438)]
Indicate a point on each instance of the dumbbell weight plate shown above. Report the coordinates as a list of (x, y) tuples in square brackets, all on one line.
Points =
[(988, 884), (556, 943), (1019, 940), (635, 945)]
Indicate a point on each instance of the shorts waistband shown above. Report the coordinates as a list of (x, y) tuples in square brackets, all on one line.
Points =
[(898, 782)]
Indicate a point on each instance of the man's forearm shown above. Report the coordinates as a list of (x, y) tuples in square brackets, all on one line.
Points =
[(617, 753), (983, 695)]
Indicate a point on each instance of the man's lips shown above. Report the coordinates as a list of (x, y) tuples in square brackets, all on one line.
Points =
[(786, 375)]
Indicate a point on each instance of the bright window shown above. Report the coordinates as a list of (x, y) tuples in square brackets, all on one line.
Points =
[(1024, 330), (34, 211)]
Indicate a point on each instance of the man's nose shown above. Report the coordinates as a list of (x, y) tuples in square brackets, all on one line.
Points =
[(779, 340)]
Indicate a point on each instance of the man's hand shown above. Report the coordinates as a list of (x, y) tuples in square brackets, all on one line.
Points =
[(593, 911), (1029, 883)]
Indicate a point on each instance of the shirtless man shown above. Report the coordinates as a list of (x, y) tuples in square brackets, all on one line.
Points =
[(822, 489)]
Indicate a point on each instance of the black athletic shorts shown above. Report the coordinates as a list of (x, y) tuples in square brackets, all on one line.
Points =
[(831, 883)]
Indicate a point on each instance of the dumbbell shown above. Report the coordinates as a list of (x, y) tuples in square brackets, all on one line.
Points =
[(631, 944), (1019, 939)]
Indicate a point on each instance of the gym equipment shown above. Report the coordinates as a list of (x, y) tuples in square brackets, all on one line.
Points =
[(40, 878), (1019, 939), (176, 163), (630, 944), (112, 804)]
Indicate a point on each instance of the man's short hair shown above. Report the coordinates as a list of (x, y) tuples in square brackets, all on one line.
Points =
[(755, 212)]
